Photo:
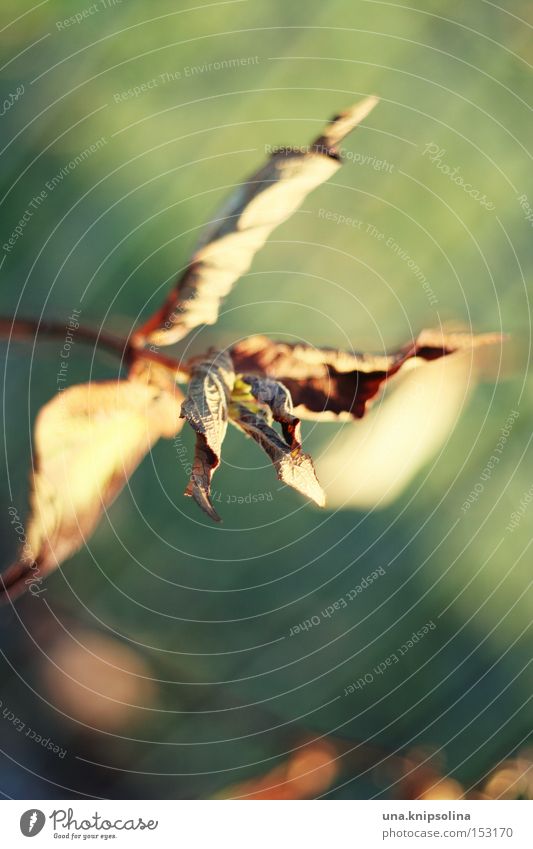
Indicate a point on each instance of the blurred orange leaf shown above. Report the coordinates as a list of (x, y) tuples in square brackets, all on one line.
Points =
[(309, 772)]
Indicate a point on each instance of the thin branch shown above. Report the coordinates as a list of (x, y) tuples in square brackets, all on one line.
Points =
[(27, 329), (181, 370)]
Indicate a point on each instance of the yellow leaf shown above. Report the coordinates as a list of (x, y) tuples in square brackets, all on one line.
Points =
[(88, 441), (243, 225)]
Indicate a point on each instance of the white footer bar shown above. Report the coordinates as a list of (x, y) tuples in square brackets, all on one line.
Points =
[(267, 825)]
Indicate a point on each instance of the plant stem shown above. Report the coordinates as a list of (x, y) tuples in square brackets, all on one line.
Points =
[(27, 329)]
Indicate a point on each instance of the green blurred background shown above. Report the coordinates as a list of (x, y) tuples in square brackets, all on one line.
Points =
[(161, 659)]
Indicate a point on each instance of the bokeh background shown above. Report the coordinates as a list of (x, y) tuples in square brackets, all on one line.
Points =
[(159, 661)]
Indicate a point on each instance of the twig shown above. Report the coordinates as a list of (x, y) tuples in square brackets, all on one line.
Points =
[(27, 329)]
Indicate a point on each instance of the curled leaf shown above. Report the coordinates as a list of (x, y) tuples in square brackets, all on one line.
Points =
[(243, 225), (370, 465), (88, 440), (329, 384), (293, 466), (278, 398), (206, 410)]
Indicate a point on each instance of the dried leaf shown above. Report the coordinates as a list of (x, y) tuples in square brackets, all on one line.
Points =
[(278, 398), (206, 410), (329, 384), (370, 465), (293, 466), (88, 441), (242, 226)]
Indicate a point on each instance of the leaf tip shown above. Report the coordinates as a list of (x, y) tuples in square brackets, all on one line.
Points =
[(321, 502), (204, 502), (343, 123), (360, 110), (317, 495)]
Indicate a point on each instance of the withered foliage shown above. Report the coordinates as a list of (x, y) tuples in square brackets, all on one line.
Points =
[(328, 384), (89, 439), (87, 442)]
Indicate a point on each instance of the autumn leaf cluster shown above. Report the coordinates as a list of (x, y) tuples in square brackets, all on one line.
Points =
[(90, 438)]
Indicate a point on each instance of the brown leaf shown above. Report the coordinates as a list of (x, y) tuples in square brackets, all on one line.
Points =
[(278, 398), (206, 410), (293, 466), (329, 384), (88, 440), (242, 226), (370, 465)]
